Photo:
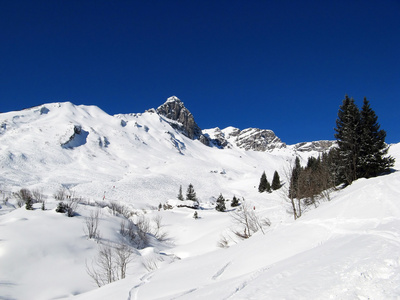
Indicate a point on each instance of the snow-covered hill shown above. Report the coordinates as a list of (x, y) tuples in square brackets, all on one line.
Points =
[(347, 248)]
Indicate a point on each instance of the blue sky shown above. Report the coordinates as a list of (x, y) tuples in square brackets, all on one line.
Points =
[(280, 65)]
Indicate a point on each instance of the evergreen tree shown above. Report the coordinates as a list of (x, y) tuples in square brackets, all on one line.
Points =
[(28, 204), (372, 145), (190, 193), (235, 202), (276, 182), (348, 137), (180, 196), (220, 203), (264, 184), (294, 179)]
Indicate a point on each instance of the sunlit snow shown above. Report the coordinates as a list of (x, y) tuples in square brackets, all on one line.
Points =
[(347, 248)]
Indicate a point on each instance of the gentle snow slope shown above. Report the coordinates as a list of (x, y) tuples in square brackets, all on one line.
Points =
[(346, 249)]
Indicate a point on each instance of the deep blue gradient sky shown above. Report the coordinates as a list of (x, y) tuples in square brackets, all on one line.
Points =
[(280, 65)]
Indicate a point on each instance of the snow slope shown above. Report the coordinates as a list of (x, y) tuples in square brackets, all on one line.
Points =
[(347, 248)]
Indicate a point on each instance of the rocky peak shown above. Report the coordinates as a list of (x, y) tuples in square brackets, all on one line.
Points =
[(249, 139), (175, 110), (258, 139), (319, 146)]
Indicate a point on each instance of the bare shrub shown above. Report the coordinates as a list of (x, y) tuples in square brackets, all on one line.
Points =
[(248, 221), (143, 228), (61, 194), (38, 195), (128, 230), (103, 269), (158, 232), (124, 255), (91, 225), (118, 208), (110, 264)]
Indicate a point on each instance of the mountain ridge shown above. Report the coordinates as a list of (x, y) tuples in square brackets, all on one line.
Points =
[(173, 109)]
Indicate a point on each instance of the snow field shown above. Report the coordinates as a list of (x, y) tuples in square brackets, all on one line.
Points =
[(347, 248)]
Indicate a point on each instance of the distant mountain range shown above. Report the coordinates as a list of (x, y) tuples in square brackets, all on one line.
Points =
[(38, 143)]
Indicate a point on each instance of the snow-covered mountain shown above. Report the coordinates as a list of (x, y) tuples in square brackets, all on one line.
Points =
[(345, 249)]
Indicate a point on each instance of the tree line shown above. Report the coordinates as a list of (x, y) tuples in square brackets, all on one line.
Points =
[(361, 152)]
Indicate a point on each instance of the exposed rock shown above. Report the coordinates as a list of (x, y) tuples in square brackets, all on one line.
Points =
[(175, 110), (248, 139), (216, 138), (78, 138), (258, 140), (320, 146)]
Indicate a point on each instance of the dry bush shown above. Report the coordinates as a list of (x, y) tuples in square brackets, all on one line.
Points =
[(110, 264), (38, 195), (248, 221), (91, 225)]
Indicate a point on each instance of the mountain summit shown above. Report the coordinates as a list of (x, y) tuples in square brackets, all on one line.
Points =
[(175, 110), (249, 139)]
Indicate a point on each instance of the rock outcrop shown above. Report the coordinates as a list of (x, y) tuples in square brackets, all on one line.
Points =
[(249, 139), (258, 139), (319, 146), (175, 110)]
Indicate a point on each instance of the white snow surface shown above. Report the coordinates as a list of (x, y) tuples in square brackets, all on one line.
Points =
[(347, 248)]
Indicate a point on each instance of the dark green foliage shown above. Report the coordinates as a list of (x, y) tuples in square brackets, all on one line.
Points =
[(276, 182), (28, 204), (264, 184), (61, 208), (348, 134), (235, 202), (294, 179), (361, 142), (220, 203), (190, 193), (180, 196), (372, 145)]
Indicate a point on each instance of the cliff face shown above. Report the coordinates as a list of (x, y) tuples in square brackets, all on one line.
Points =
[(175, 110)]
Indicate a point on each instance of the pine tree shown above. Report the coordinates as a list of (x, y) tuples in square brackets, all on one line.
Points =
[(276, 182), (190, 193), (235, 202), (220, 203), (348, 137), (372, 145), (362, 147), (294, 179), (180, 196), (264, 184), (28, 204)]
